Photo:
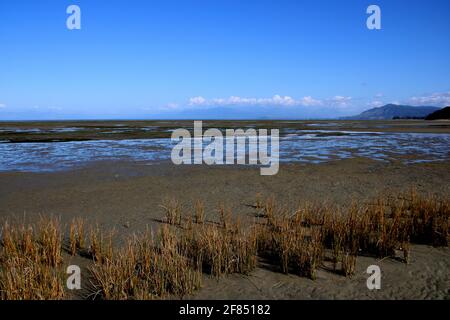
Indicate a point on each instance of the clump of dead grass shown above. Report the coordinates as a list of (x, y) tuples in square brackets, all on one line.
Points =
[(220, 249), (287, 242), (298, 242), (173, 211), (101, 246), (76, 236), (199, 212), (146, 268), (30, 261)]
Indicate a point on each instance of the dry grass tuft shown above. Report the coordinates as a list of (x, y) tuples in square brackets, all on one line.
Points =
[(285, 241), (50, 239), (199, 212), (146, 269), (101, 247), (220, 250), (297, 242), (173, 211), (30, 261), (76, 235)]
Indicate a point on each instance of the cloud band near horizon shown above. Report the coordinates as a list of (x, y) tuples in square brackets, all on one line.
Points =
[(276, 100)]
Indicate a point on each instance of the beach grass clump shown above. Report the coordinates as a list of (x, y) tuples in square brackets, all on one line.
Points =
[(393, 223), (297, 242), (225, 217), (172, 211), (49, 237), (76, 236), (362, 229), (429, 218), (100, 246), (342, 233), (25, 279), (285, 241), (348, 264), (173, 272), (199, 212), (30, 261), (268, 209), (307, 254), (146, 268), (220, 250), (259, 203)]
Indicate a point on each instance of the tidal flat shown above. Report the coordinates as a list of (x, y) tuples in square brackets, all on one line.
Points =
[(124, 182)]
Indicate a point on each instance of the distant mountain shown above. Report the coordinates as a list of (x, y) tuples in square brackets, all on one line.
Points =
[(239, 112), (394, 111), (443, 113)]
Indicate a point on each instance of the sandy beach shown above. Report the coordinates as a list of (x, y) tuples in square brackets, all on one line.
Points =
[(127, 197)]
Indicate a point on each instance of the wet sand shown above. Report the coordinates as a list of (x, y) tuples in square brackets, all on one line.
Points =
[(126, 196), (117, 192), (64, 131)]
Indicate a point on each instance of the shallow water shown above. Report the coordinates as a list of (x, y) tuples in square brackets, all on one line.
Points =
[(305, 146), (407, 147)]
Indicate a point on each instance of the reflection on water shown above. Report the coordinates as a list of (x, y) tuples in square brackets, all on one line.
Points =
[(305, 146)]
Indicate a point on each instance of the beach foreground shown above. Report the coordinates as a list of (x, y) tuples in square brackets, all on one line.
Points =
[(131, 198)]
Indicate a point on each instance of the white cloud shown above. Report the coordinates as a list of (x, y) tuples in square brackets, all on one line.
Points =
[(276, 100), (340, 101), (375, 104), (439, 99), (310, 101), (2, 105), (197, 101)]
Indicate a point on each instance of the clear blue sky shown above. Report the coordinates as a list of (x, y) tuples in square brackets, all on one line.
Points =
[(230, 58)]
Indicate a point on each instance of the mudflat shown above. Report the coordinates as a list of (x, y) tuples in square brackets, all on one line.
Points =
[(346, 162), (127, 197), (114, 193), (63, 131)]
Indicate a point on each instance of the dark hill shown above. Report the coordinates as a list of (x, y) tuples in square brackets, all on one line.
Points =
[(394, 111), (444, 113)]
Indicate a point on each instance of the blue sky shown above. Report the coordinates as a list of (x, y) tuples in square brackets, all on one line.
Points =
[(220, 58)]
